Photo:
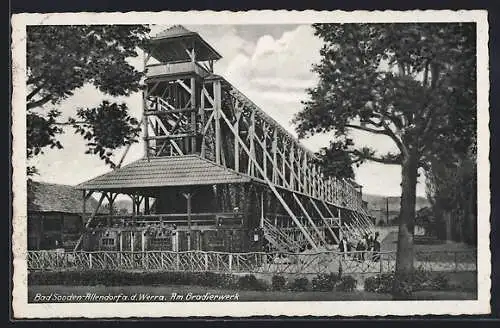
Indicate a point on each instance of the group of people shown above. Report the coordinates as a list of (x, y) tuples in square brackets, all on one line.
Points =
[(366, 248)]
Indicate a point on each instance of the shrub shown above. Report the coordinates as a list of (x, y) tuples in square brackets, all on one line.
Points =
[(324, 282), (347, 284), (300, 285), (440, 282), (250, 282), (407, 284), (278, 282), (381, 283)]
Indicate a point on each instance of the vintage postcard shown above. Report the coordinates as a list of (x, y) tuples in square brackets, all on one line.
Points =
[(175, 164)]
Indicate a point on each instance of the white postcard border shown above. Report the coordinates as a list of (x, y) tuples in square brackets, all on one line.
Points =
[(345, 308)]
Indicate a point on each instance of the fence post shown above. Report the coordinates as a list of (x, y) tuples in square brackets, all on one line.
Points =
[(381, 263), (230, 262), (90, 260), (177, 261), (206, 261)]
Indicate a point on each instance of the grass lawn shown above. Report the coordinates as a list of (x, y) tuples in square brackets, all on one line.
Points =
[(167, 291), (389, 243)]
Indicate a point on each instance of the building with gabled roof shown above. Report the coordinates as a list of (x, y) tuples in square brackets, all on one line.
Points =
[(55, 217)]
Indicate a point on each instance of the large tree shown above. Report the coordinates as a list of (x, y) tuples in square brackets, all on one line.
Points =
[(60, 60), (412, 83)]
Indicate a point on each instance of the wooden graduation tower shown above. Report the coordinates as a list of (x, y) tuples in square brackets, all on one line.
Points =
[(218, 173)]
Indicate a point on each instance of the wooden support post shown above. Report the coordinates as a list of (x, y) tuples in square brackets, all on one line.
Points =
[(217, 110), (304, 173), (275, 155), (145, 120), (188, 197), (261, 209), (251, 136), (84, 208), (146, 205), (340, 222), (264, 147), (193, 114), (236, 143), (283, 161), (143, 241), (132, 240), (300, 185), (292, 159)]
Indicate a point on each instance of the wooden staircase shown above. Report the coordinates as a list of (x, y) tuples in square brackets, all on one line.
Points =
[(278, 240)]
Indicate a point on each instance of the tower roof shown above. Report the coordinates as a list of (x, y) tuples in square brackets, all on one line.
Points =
[(170, 45)]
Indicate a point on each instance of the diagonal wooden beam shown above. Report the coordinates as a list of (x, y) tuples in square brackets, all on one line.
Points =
[(324, 220), (87, 224), (311, 222), (182, 84), (270, 184)]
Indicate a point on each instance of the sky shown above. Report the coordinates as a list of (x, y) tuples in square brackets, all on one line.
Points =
[(270, 64)]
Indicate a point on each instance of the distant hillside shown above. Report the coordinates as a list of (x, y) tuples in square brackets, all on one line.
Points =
[(377, 202)]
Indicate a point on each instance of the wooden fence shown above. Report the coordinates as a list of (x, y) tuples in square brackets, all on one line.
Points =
[(270, 263)]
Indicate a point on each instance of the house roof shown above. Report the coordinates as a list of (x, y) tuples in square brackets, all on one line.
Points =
[(165, 172), (50, 197)]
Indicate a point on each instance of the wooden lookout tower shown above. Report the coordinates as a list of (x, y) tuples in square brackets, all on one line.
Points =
[(218, 173)]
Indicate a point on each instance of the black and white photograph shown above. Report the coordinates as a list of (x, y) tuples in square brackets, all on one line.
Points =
[(250, 163)]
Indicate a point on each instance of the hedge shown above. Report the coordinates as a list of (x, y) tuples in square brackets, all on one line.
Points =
[(406, 285), (123, 278)]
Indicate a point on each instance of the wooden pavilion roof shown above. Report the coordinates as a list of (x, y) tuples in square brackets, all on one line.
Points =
[(172, 171)]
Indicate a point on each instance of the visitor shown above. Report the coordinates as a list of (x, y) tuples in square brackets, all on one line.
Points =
[(360, 250), (376, 248), (344, 247), (369, 246)]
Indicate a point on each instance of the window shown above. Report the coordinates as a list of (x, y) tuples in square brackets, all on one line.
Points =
[(108, 242)]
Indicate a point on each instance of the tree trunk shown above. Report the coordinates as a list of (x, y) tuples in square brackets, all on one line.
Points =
[(405, 253), (448, 225)]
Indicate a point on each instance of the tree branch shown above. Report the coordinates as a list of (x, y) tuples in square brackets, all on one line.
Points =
[(33, 93), (392, 134), (69, 123), (391, 160), (39, 102), (363, 128)]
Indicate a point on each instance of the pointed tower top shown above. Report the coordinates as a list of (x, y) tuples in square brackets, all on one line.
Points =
[(174, 31), (174, 43)]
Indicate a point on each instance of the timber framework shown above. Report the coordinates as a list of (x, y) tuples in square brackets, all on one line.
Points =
[(218, 173)]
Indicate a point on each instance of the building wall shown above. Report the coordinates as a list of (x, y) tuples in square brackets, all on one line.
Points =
[(51, 230)]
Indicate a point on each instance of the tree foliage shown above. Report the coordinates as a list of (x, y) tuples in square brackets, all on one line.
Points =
[(335, 160), (414, 84), (451, 187), (60, 60)]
